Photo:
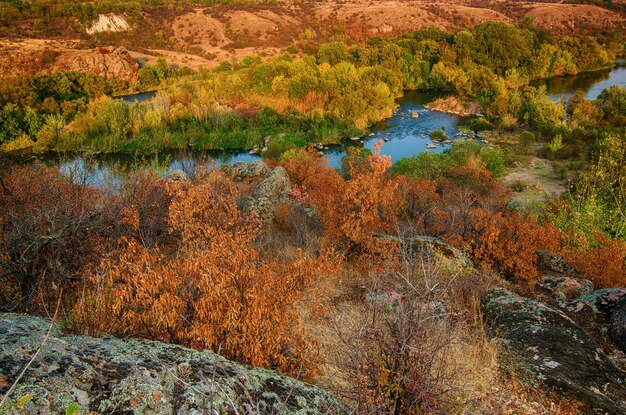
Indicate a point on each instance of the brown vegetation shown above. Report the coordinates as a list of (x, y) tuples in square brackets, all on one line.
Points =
[(204, 37), (389, 323)]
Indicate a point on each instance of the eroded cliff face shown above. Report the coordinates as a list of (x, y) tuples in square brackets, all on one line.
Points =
[(109, 62), (111, 375), (28, 58)]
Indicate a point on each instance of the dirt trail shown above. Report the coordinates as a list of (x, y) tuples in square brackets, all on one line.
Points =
[(534, 182)]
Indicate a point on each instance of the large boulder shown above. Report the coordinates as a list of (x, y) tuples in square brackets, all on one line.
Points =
[(617, 325), (548, 348), (276, 186), (111, 375), (241, 170)]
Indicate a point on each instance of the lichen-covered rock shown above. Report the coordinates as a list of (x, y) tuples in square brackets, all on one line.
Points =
[(240, 170), (176, 175), (263, 207), (276, 186), (617, 325), (563, 289), (550, 349), (602, 300), (111, 375)]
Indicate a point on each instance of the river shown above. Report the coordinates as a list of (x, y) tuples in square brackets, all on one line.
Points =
[(402, 135)]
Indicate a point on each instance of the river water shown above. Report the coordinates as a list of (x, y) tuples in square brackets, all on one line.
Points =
[(402, 135)]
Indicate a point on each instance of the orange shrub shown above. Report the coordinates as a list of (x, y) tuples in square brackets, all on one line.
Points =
[(508, 242), (216, 292), (604, 262)]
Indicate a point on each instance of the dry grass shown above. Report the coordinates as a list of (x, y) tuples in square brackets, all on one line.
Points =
[(465, 363), (204, 37)]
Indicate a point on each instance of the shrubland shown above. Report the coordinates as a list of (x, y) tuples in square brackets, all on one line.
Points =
[(184, 262)]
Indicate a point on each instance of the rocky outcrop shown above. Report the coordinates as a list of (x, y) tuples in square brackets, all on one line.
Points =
[(617, 325), (108, 62), (241, 170), (455, 105), (108, 23), (548, 348), (277, 185), (553, 265), (560, 283), (111, 375), (601, 313)]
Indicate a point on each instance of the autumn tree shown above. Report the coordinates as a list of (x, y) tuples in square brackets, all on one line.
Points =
[(50, 231)]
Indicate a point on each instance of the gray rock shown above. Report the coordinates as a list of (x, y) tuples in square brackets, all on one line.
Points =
[(553, 265), (240, 170), (603, 300), (565, 288), (617, 325), (550, 349), (111, 375), (176, 175), (275, 186)]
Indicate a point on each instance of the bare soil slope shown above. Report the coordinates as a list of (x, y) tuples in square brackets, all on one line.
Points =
[(204, 37), (574, 18)]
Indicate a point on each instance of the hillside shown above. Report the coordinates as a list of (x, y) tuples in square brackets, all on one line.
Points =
[(199, 36)]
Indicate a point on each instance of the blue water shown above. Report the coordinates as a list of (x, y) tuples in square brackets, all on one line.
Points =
[(591, 83), (400, 136), (140, 97)]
